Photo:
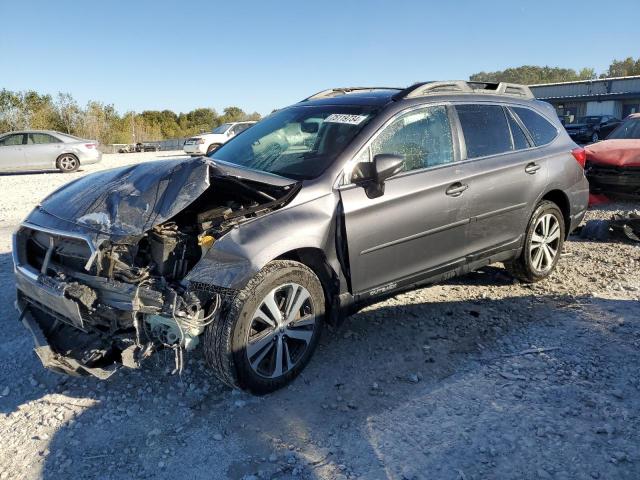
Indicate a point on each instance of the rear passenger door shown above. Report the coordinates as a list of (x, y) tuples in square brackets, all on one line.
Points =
[(418, 226), (509, 174)]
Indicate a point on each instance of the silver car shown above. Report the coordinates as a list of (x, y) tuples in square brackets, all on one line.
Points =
[(46, 150)]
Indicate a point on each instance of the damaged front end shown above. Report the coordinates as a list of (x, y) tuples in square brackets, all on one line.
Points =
[(101, 282)]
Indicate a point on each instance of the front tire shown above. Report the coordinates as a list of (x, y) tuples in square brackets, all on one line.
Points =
[(595, 137), (269, 331), (543, 242), (67, 163)]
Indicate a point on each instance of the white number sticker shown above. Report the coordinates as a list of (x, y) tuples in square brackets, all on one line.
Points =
[(345, 118)]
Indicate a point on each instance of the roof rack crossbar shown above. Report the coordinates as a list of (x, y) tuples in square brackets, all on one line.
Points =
[(461, 86), (334, 92)]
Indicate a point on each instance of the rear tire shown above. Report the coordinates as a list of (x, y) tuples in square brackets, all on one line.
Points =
[(543, 242), (67, 163), (595, 137), (266, 335)]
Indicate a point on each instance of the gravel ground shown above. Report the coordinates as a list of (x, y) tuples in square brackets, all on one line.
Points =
[(435, 383)]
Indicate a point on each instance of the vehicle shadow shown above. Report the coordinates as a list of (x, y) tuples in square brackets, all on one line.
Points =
[(375, 402), (33, 172)]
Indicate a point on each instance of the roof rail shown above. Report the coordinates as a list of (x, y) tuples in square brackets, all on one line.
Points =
[(335, 92), (461, 86)]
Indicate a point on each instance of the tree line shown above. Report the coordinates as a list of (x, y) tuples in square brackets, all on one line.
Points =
[(533, 74), (99, 121)]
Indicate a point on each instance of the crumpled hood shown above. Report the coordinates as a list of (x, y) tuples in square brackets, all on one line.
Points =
[(618, 153), (130, 200)]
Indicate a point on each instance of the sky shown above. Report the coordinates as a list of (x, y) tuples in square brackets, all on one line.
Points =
[(260, 55)]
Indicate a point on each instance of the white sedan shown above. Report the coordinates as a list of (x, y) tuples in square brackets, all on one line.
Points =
[(46, 150)]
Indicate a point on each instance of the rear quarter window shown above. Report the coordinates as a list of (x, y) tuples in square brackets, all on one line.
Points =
[(541, 130), (485, 129)]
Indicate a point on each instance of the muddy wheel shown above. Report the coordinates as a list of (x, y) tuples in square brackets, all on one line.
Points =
[(67, 163), (542, 245), (213, 147), (269, 331)]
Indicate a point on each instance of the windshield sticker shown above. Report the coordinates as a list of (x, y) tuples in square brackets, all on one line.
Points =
[(345, 118)]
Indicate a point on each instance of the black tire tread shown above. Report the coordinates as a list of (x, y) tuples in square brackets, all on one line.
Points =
[(219, 335), (518, 267)]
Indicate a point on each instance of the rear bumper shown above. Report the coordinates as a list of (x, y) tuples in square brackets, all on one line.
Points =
[(612, 179), (90, 158), (196, 149)]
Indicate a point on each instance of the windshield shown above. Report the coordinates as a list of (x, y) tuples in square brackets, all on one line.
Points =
[(588, 120), (222, 128), (628, 130), (298, 142)]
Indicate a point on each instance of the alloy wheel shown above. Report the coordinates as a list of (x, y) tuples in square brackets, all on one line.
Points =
[(545, 242), (281, 330), (68, 162)]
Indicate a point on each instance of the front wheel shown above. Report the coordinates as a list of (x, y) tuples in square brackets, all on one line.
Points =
[(595, 137), (67, 163), (268, 333), (542, 245)]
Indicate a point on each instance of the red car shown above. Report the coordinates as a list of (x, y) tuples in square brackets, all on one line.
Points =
[(613, 165)]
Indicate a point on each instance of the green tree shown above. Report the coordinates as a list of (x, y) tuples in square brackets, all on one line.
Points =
[(623, 68), (532, 74)]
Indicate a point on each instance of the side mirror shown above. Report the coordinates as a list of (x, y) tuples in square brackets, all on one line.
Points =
[(372, 175), (386, 165)]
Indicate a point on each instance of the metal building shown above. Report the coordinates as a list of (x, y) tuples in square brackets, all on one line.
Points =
[(619, 96)]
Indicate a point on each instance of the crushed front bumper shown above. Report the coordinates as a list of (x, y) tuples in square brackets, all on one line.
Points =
[(54, 360)]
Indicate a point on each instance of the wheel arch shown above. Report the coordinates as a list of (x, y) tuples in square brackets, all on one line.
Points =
[(562, 201), (316, 260)]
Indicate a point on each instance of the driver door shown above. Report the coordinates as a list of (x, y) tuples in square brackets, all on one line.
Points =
[(418, 226)]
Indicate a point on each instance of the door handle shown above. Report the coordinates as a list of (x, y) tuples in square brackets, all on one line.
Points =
[(456, 189), (532, 168)]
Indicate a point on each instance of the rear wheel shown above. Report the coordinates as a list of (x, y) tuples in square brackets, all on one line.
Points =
[(67, 163), (542, 246), (270, 330), (595, 137)]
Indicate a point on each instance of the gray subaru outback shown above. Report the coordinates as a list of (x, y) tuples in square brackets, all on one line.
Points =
[(346, 197)]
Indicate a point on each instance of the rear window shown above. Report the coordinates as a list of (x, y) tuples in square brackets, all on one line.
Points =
[(485, 129), (541, 130)]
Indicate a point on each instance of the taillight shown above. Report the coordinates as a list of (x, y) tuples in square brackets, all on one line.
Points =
[(90, 145), (580, 154)]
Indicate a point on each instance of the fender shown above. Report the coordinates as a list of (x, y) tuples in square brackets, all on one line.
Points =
[(241, 253)]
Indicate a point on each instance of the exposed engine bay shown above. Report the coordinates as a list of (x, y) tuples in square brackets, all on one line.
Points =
[(126, 298)]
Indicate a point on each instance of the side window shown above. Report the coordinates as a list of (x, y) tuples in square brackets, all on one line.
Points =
[(485, 129), (422, 136), (541, 130), (10, 140), (41, 138), (520, 141)]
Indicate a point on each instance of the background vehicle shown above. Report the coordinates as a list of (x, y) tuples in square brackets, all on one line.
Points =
[(46, 150), (321, 208), (205, 143), (613, 165), (591, 128)]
